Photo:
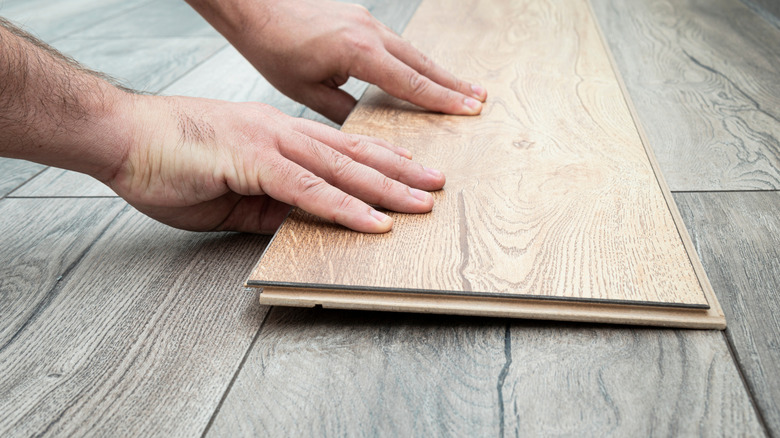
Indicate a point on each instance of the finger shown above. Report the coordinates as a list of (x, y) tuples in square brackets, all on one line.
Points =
[(365, 150), (354, 178), (404, 82), (408, 54), (325, 134), (333, 103), (292, 184)]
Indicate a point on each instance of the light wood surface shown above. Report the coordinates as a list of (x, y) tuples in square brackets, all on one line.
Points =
[(738, 238), (704, 77), (550, 191)]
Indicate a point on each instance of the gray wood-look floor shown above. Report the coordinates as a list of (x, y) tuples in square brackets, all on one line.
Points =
[(112, 324)]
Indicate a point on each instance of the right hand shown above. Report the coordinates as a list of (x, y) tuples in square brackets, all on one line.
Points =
[(202, 164)]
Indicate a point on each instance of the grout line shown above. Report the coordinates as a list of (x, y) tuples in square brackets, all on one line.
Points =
[(8, 195), (738, 364), (238, 371), (162, 89)]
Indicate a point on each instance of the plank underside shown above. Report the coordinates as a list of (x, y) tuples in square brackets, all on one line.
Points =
[(551, 193)]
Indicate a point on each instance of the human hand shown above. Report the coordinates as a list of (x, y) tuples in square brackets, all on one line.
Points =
[(202, 164), (307, 49)]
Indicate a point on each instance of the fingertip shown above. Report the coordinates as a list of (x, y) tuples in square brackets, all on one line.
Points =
[(472, 106), (479, 92), (382, 222)]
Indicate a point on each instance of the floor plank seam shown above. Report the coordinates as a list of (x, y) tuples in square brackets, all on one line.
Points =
[(748, 388), (727, 191), (162, 89), (237, 373), (106, 18), (61, 280), (502, 379), (9, 194), (763, 13)]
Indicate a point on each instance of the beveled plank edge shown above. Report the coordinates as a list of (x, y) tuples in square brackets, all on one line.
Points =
[(551, 298), (693, 256), (496, 307)]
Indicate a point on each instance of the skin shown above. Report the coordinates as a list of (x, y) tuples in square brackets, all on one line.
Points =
[(201, 164)]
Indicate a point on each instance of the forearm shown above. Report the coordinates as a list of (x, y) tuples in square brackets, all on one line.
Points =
[(54, 112)]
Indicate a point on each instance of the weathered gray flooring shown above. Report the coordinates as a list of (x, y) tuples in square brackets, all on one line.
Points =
[(113, 324)]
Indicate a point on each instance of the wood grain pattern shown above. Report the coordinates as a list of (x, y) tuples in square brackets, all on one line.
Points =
[(550, 192), (738, 238), (317, 372), (37, 254), (54, 182), (141, 338), (14, 173), (703, 76), (565, 380)]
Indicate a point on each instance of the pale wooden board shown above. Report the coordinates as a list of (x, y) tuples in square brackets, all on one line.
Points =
[(315, 372), (711, 318), (14, 173), (550, 192), (704, 77), (142, 337), (738, 238)]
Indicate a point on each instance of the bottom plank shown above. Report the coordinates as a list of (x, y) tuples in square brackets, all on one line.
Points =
[(711, 318)]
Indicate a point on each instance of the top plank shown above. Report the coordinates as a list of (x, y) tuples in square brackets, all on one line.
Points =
[(550, 194)]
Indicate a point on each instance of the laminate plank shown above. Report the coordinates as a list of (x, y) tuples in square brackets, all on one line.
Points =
[(51, 21), (768, 9), (737, 236), (54, 182), (563, 380), (141, 338), (703, 77), (37, 253), (146, 64), (158, 19), (340, 373), (317, 372), (14, 173), (550, 193)]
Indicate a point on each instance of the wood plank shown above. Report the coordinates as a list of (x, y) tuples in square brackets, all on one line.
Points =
[(14, 173), (738, 238), (563, 380), (54, 182), (51, 21), (703, 76), (141, 338), (345, 373), (551, 193), (711, 318), (147, 64), (37, 253)]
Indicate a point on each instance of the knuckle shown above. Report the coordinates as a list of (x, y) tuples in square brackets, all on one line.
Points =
[(343, 167), (356, 147), (308, 186), (346, 203), (418, 85)]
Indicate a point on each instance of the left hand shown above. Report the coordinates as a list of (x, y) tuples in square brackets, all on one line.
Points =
[(307, 49)]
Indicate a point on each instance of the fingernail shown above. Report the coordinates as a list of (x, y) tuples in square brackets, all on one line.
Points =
[(433, 172), (379, 216), (472, 104), (406, 153), (479, 91), (419, 194)]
